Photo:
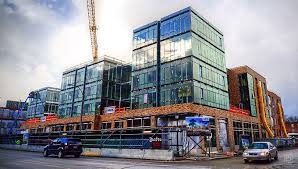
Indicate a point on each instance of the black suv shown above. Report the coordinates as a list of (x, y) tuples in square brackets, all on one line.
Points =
[(64, 146)]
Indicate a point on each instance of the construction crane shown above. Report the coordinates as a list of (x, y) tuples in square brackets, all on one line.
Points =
[(92, 28)]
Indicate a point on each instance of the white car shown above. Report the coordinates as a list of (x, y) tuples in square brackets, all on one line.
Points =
[(260, 151)]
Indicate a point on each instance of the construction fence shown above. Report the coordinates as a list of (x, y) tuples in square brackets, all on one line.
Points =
[(158, 138)]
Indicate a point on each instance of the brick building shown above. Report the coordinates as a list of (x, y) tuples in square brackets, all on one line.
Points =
[(292, 127), (274, 99)]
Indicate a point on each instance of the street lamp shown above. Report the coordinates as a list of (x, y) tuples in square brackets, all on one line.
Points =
[(177, 137)]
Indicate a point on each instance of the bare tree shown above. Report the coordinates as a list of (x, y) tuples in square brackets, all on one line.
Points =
[(291, 118)]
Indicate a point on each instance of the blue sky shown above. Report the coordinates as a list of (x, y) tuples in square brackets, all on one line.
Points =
[(41, 38)]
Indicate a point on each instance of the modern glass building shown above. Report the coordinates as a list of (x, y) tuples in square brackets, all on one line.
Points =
[(179, 59), (90, 87), (45, 103)]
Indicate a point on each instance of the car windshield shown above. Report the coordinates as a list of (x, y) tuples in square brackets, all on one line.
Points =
[(258, 146), (74, 141)]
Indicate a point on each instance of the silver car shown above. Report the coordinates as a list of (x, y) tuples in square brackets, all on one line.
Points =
[(260, 151)]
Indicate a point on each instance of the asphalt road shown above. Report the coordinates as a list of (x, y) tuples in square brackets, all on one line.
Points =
[(11, 159)]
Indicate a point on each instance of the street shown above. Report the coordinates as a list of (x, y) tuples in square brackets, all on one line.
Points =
[(32, 160)]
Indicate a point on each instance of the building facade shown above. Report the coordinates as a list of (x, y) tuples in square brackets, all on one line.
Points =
[(292, 127), (179, 59), (243, 89), (91, 88), (178, 71), (273, 100), (44, 103), (243, 83)]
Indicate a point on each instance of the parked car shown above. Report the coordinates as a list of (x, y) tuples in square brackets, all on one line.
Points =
[(64, 146), (260, 151)]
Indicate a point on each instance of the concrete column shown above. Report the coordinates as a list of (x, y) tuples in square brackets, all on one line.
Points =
[(92, 125), (252, 131), (217, 132), (112, 124), (75, 127), (242, 127), (125, 123), (231, 138), (99, 125), (50, 129), (202, 144), (260, 130), (64, 128), (153, 121), (96, 122)]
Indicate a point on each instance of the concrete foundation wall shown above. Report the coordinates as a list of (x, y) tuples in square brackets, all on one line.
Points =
[(22, 147), (138, 153), (149, 154)]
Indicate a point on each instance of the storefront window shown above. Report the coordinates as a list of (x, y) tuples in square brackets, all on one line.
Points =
[(237, 125)]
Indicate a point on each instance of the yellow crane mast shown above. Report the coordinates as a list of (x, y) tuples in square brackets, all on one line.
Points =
[(92, 28)]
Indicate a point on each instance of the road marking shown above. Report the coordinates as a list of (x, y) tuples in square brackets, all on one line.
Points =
[(38, 162)]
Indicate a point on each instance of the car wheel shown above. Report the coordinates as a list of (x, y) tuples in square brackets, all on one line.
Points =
[(246, 161), (45, 153), (77, 155), (269, 158), (60, 154), (276, 156)]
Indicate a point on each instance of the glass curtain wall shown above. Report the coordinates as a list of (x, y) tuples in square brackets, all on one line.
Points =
[(252, 100), (191, 50), (95, 86), (205, 30), (144, 69), (247, 96), (244, 91), (176, 71), (45, 103), (204, 64)]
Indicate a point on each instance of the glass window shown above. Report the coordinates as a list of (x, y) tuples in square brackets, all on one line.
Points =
[(175, 25), (106, 125), (94, 72), (200, 71), (129, 123), (118, 124), (202, 93), (145, 36), (146, 122), (137, 122)]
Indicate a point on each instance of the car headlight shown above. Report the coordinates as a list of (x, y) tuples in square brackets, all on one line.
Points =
[(264, 153), (245, 153)]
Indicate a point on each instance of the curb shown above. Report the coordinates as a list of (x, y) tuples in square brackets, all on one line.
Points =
[(91, 154)]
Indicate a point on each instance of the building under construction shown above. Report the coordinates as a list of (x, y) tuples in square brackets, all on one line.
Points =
[(178, 71)]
